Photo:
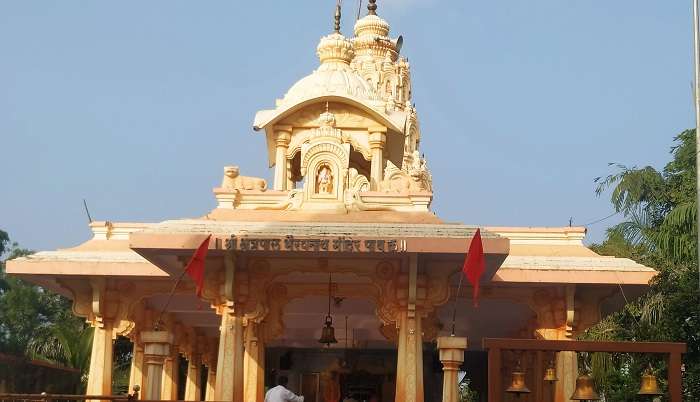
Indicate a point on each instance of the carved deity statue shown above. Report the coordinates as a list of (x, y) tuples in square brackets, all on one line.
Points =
[(234, 181), (324, 180)]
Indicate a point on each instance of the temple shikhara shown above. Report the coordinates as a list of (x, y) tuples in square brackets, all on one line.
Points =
[(340, 246)]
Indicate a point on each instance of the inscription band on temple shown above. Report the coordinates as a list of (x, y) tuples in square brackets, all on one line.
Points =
[(336, 244)]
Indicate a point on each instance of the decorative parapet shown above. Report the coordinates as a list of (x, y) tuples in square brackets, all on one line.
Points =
[(570, 235), (106, 230)]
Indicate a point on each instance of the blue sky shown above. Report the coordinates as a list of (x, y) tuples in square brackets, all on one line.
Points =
[(137, 105)]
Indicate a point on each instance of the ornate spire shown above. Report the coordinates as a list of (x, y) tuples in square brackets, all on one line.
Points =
[(372, 7)]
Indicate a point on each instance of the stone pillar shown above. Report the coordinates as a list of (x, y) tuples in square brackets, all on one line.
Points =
[(567, 371), (409, 365), (100, 374), (157, 345), (254, 364), (193, 385), (283, 134), (229, 364), (377, 142), (211, 384), (170, 377), (291, 185), (136, 373), (452, 356)]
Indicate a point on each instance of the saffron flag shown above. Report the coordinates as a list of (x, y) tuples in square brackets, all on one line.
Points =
[(195, 268), (474, 264)]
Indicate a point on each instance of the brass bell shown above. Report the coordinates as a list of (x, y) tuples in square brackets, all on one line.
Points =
[(550, 375), (649, 384), (328, 332), (585, 390), (517, 384)]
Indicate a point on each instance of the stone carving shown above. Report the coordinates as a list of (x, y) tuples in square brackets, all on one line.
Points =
[(419, 172), (324, 180), (234, 181), (357, 182), (417, 179), (292, 202)]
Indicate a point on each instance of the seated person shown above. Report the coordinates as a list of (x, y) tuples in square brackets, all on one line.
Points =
[(280, 393)]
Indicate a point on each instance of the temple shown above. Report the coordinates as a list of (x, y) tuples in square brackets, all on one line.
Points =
[(342, 239)]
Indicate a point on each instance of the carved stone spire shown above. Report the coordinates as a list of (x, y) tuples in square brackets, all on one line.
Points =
[(372, 7)]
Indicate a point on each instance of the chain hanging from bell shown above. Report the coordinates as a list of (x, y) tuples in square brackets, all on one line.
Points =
[(585, 389), (550, 374), (517, 383), (649, 384)]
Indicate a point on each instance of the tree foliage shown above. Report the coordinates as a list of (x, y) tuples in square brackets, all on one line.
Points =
[(659, 230), (37, 323)]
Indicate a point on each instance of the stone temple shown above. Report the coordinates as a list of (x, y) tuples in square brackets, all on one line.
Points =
[(343, 236)]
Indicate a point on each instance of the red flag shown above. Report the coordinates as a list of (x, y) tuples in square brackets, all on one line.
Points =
[(195, 268), (474, 264)]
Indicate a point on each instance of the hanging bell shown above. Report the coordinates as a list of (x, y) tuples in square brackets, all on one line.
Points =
[(649, 384), (517, 384), (328, 332), (585, 390), (550, 375)]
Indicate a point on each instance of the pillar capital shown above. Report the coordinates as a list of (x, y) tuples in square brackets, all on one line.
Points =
[(451, 348), (157, 343), (282, 138), (452, 356), (377, 139)]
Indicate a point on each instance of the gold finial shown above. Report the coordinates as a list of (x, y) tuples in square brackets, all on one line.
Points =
[(337, 15), (372, 7)]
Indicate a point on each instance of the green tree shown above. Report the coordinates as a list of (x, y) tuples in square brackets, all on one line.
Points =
[(659, 230), (31, 315)]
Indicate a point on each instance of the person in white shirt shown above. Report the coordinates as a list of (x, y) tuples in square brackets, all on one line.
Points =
[(280, 393)]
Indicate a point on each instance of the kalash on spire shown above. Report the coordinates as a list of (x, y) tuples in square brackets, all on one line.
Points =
[(368, 158)]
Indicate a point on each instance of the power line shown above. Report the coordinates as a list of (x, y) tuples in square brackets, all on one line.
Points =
[(601, 219)]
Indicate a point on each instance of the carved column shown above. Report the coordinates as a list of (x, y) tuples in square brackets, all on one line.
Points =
[(100, 374), (136, 373), (229, 367), (211, 384), (555, 321), (283, 134), (377, 142), (254, 364), (409, 370), (452, 356), (193, 385), (170, 377), (157, 346)]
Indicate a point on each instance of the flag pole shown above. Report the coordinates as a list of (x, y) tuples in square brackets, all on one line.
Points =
[(157, 323), (696, 101), (454, 311)]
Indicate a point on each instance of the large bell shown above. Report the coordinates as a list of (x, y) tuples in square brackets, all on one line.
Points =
[(585, 390), (517, 384), (649, 384), (550, 375), (328, 332)]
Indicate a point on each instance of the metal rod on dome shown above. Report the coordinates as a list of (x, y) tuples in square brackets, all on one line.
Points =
[(338, 7), (359, 9)]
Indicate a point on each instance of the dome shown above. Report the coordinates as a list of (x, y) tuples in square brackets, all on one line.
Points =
[(330, 80), (371, 25), (371, 41), (334, 76)]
